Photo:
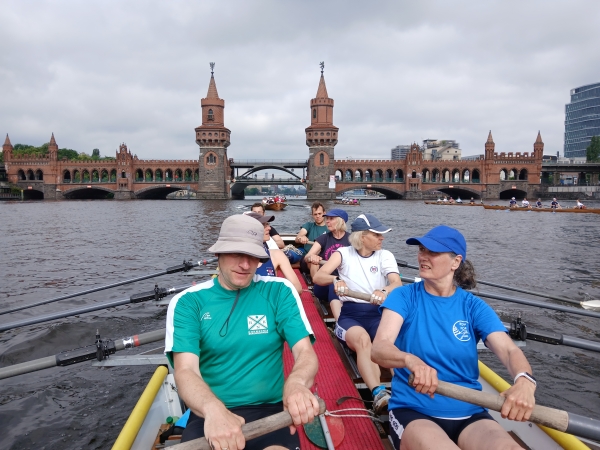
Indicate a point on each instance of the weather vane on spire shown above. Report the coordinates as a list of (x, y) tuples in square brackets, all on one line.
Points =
[(322, 64), (212, 68)]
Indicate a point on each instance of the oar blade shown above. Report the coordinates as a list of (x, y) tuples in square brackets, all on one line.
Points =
[(593, 305)]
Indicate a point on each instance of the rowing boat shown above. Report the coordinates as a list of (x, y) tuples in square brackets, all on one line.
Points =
[(452, 204), (337, 381), (560, 210), (275, 206)]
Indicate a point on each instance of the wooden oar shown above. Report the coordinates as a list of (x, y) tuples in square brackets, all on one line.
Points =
[(593, 305), (556, 419), (251, 430)]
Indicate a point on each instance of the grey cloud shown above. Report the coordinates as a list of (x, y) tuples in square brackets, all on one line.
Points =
[(104, 73)]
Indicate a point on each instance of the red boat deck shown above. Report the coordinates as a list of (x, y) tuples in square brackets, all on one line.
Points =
[(333, 382)]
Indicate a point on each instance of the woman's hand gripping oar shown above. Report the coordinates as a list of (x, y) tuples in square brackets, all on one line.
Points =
[(542, 415), (251, 430)]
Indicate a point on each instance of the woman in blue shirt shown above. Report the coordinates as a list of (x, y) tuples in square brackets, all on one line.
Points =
[(431, 329)]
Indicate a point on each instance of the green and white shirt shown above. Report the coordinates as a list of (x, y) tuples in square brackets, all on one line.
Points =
[(241, 360)]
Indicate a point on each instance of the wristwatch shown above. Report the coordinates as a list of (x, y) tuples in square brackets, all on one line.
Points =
[(525, 375), (384, 291)]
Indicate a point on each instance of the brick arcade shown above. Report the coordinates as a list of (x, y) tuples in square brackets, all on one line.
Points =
[(493, 175)]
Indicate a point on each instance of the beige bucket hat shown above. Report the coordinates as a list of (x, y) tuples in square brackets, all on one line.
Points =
[(241, 234)]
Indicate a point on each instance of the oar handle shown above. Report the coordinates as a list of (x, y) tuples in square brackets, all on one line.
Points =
[(251, 430), (542, 415)]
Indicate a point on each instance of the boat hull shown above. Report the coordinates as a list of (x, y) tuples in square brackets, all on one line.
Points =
[(562, 210), (275, 206)]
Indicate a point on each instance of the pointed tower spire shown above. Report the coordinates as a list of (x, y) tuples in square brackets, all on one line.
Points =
[(490, 147), (212, 87), (7, 140), (538, 147), (321, 138), (7, 149), (52, 149)]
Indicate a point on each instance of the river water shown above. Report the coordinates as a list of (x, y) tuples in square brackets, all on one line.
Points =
[(53, 248)]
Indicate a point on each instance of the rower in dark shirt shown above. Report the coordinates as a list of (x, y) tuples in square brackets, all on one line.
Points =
[(538, 204), (513, 203), (555, 204)]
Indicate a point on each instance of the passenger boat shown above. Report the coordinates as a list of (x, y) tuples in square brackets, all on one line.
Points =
[(452, 204), (559, 210)]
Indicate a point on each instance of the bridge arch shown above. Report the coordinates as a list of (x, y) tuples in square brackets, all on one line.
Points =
[(21, 175), (503, 174), (104, 176), (461, 191), (30, 175), (518, 194), (476, 176), (465, 176), (83, 192), (66, 176), (390, 193), (85, 176), (113, 176), (95, 176), (158, 191), (251, 171), (148, 175)]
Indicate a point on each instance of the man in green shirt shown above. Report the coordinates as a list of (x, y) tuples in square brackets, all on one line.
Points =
[(225, 340), (310, 231)]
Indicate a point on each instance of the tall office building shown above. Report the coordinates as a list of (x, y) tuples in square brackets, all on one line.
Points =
[(582, 119), (400, 151)]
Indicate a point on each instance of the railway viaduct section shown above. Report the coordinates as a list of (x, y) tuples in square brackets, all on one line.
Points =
[(216, 176)]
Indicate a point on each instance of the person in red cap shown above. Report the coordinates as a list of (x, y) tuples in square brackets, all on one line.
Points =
[(225, 339), (431, 329)]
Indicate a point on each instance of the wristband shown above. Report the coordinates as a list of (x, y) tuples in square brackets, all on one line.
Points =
[(336, 280), (525, 375)]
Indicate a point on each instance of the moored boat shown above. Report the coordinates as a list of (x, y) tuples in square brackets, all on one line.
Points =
[(340, 202)]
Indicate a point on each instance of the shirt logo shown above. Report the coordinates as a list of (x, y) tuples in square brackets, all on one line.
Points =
[(461, 330), (206, 316), (374, 269), (257, 324)]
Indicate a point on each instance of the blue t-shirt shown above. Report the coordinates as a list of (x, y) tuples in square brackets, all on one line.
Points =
[(443, 332), (266, 269)]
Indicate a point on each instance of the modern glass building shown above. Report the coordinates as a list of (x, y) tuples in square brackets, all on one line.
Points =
[(582, 119)]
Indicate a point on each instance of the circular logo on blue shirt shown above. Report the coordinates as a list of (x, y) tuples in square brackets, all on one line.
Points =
[(461, 330)]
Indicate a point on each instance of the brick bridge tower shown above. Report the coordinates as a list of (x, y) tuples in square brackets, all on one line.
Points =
[(213, 139), (321, 138)]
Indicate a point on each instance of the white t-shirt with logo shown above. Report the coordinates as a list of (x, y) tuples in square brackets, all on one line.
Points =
[(365, 274)]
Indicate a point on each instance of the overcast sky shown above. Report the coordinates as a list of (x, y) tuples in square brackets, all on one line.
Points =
[(98, 73)]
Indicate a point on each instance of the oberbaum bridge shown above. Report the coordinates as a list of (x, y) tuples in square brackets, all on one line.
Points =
[(216, 176)]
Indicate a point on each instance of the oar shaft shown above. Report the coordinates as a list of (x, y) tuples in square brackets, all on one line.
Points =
[(542, 415), (60, 358), (250, 430), (522, 301), (524, 291), (509, 288), (178, 268), (83, 310)]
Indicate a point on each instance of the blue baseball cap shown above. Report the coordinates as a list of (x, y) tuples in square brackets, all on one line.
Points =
[(337, 213), (442, 239), (369, 222)]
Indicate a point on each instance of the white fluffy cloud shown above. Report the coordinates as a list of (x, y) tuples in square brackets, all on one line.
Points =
[(101, 73)]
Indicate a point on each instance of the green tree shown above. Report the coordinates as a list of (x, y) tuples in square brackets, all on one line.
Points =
[(67, 153), (96, 153), (593, 151), (1, 157)]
